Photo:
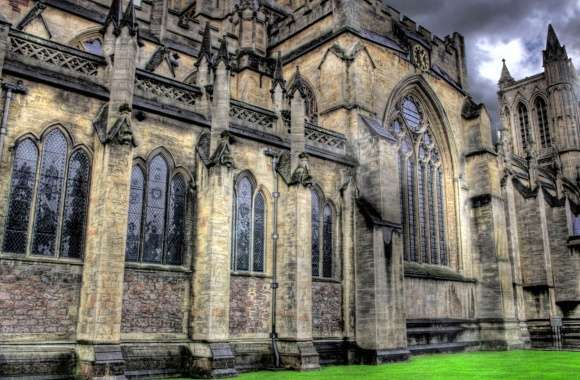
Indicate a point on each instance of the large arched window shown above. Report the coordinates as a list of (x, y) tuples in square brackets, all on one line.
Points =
[(60, 180), (524, 125), (157, 211), (322, 215), (543, 126), (249, 245), (422, 186)]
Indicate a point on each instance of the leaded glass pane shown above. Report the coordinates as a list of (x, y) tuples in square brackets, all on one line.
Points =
[(75, 206), (395, 128), (403, 211), (545, 138), (135, 214), (412, 114), (22, 187), (243, 224), (175, 238), (327, 243), (422, 213), (432, 225), (412, 227), (94, 46), (315, 234), (49, 194), (406, 145), (259, 232), (155, 213), (441, 214)]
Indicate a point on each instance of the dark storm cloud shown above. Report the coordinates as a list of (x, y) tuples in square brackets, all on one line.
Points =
[(498, 22)]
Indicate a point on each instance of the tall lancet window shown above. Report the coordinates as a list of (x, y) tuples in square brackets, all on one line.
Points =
[(322, 214), (156, 214), (249, 245), (524, 126), (543, 126), (421, 181), (48, 198)]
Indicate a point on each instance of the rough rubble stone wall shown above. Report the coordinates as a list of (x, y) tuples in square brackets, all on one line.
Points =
[(250, 307), (38, 299), (154, 302), (326, 309)]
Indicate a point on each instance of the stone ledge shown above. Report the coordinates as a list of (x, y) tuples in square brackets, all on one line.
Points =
[(430, 272)]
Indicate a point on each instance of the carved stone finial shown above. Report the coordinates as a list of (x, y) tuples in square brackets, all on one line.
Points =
[(205, 49), (278, 77), (223, 55)]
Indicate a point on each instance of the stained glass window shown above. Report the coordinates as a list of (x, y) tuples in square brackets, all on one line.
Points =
[(175, 237), (441, 213), (422, 212), (432, 210), (259, 232), (49, 194), (243, 226), (524, 125), (135, 214), (545, 137), (75, 206), (411, 210), (402, 201), (315, 234), (22, 187), (327, 243), (155, 210)]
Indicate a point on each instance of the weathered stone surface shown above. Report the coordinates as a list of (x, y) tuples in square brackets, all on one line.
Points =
[(250, 307)]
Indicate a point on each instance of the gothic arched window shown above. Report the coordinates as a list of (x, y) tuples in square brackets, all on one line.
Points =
[(61, 201), (542, 113), (249, 246), (157, 213), (524, 125), (421, 183), (322, 216)]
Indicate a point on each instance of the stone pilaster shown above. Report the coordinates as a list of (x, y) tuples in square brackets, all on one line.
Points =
[(158, 21), (297, 127), (220, 121), (212, 355), (100, 312), (381, 333), (294, 307)]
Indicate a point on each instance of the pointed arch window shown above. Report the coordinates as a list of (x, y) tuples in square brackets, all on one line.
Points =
[(249, 246), (421, 184), (524, 125), (49, 197), (322, 215), (157, 214), (542, 114)]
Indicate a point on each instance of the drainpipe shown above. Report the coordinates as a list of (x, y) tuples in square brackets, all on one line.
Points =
[(275, 195), (10, 89)]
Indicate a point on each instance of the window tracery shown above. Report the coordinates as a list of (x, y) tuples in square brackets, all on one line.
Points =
[(249, 246), (52, 193), (421, 184), (524, 125), (543, 126), (156, 215)]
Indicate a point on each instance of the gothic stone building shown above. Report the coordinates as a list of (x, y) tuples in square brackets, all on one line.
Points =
[(207, 187)]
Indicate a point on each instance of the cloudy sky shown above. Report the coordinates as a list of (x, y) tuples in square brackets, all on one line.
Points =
[(494, 29)]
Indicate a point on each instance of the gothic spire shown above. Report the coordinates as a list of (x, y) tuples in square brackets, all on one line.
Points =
[(223, 54), (205, 49), (115, 14), (278, 77), (129, 19), (506, 77), (554, 50)]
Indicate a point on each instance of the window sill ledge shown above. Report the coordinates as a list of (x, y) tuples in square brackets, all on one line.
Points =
[(251, 275), (157, 267), (432, 272), (40, 259), (574, 242), (327, 280)]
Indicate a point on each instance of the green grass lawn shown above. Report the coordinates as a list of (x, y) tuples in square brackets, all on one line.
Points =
[(513, 365)]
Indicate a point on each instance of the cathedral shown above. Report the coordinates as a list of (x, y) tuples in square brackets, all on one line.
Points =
[(206, 187)]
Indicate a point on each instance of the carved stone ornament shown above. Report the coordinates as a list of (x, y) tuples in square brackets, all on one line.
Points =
[(121, 133), (302, 173), (223, 154), (421, 58)]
